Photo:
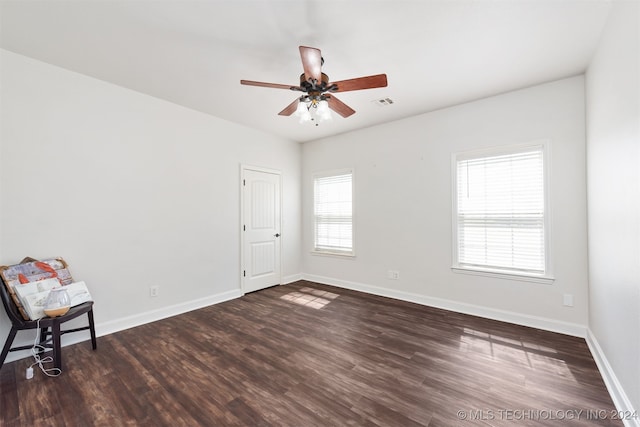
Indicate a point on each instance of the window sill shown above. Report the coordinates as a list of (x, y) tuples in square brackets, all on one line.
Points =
[(547, 280), (333, 254)]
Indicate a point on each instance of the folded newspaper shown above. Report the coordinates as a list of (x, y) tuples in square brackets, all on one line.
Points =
[(33, 295)]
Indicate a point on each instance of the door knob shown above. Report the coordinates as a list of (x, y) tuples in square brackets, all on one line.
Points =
[(277, 235)]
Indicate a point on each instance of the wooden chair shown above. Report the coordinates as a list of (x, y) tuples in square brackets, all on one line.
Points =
[(50, 332)]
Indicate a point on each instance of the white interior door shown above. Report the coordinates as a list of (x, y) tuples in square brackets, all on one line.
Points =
[(261, 229)]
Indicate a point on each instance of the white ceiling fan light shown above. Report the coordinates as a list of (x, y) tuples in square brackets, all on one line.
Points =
[(322, 110), (302, 111)]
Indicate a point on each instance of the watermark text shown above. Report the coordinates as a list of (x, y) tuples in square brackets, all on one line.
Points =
[(544, 414)]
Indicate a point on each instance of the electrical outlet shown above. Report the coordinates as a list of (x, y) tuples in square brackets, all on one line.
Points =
[(153, 291), (567, 300), (393, 274)]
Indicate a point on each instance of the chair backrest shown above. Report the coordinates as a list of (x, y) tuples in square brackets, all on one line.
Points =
[(10, 307)]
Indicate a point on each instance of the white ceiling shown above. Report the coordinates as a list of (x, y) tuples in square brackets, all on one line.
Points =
[(194, 53)]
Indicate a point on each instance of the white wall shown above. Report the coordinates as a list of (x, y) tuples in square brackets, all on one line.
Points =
[(131, 190), (613, 164), (403, 205)]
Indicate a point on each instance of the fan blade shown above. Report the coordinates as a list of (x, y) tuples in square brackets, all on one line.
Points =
[(263, 84), (290, 109), (369, 82), (339, 107), (312, 63)]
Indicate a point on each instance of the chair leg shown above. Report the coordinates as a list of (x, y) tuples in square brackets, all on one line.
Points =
[(7, 345), (43, 338), (92, 329), (57, 348)]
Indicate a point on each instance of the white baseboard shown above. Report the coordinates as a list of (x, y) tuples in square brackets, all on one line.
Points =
[(292, 278), (619, 397), (121, 324), (566, 328), (106, 328)]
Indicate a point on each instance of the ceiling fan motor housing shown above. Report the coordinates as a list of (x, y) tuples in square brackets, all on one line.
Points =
[(314, 86)]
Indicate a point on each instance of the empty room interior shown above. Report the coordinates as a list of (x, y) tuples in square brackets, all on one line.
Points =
[(388, 213)]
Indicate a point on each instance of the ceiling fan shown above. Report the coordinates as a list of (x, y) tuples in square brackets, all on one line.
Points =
[(317, 89)]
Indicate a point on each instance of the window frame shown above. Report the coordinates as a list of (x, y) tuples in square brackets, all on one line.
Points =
[(546, 277), (326, 174)]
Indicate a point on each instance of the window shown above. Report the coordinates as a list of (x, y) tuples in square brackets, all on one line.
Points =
[(333, 213), (500, 215)]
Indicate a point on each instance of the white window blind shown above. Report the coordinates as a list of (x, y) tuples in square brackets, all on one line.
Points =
[(501, 211), (333, 210)]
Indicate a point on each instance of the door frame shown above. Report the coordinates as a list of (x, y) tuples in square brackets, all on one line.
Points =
[(243, 168)]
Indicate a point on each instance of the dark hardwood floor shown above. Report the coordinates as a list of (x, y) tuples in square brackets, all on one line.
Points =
[(312, 355)]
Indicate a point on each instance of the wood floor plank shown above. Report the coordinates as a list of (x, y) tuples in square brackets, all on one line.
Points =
[(307, 354)]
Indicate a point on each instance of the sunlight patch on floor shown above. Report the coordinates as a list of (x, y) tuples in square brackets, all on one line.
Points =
[(514, 350), (310, 297)]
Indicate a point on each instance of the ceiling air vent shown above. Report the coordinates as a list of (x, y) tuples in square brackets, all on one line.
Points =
[(383, 102)]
